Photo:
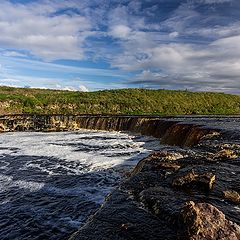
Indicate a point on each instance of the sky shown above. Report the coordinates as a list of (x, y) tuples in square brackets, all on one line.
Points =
[(91, 45)]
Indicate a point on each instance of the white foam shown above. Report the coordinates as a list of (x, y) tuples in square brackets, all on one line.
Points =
[(7, 182), (42, 162), (3, 164), (64, 146), (237, 208)]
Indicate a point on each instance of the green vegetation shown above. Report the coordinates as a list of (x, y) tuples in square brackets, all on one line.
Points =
[(122, 101)]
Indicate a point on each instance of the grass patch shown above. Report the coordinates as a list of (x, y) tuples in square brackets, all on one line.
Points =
[(122, 101)]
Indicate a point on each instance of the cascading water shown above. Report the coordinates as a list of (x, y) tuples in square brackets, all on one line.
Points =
[(50, 183)]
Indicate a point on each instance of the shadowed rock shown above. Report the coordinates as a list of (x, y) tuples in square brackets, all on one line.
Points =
[(205, 180), (167, 166), (122, 219)]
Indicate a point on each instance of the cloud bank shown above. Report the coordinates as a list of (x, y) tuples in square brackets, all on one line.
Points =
[(152, 43)]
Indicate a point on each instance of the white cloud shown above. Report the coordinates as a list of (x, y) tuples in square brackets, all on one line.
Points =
[(119, 16), (173, 34), (180, 65), (83, 88), (68, 88), (215, 1), (41, 82), (48, 36), (190, 47), (120, 31), (184, 51), (13, 54), (232, 42), (80, 88)]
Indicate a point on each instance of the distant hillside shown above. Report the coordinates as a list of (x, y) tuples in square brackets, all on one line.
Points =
[(123, 101)]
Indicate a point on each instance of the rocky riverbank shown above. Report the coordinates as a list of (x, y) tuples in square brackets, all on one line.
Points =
[(175, 194), (178, 193), (188, 190), (184, 194)]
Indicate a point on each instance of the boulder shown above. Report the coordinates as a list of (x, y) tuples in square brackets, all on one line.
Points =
[(199, 221)]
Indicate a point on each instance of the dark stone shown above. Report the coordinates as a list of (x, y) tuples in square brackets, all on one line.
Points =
[(123, 219), (204, 181)]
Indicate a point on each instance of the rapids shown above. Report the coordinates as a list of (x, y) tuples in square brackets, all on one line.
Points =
[(50, 183)]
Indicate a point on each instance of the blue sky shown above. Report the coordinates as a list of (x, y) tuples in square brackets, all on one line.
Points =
[(104, 44)]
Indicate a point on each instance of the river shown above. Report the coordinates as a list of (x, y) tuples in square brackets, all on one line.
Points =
[(50, 183)]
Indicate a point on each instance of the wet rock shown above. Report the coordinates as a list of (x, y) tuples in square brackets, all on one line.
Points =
[(162, 201), (168, 166), (225, 154), (166, 155), (230, 146), (184, 134), (158, 161), (204, 221), (211, 135), (207, 180), (123, 219), (197, 134), (232, 196), (185, 179), (138, 167), (202, 180), (150, 204)]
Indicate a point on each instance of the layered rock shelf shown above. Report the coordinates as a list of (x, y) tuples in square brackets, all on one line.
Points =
[(188, 190), (169, 130)]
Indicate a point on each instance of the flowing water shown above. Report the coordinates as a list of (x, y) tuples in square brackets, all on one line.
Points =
[(50, 183)]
